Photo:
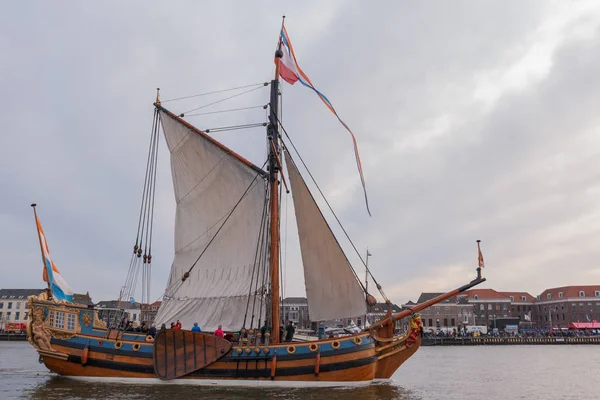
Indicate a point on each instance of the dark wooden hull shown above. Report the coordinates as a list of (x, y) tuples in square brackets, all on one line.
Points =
[(91, 351)]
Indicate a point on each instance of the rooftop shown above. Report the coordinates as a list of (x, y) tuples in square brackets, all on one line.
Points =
[(518, 296), (570, 292), (19, 294)]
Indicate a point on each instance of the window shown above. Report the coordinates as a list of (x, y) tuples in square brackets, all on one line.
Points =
[(482, 307), (581, 294), (489, 306), (560, 295), (26, 315), (9, 305), (512, 298), (430, 322), (519, 308), (447, 308), (549, 295), (8, 316), (0, 316), (452, 322), (51, 317), (597, 293), (445, 321), (18, 305), (504, 307), (71, 322), (523, 298), (17, 315), (497, 307), (1, 305), (475, 297)]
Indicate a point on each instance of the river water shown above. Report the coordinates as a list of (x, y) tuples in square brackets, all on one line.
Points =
[(465, 373)]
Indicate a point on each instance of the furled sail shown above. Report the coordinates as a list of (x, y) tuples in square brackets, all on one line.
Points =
[(332, 289), (209, 180)]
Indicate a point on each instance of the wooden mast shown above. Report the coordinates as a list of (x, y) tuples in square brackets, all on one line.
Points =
[(46, 274), (274, 150)]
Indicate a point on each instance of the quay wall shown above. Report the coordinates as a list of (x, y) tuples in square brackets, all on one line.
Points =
[(13, 336), (497, 341)]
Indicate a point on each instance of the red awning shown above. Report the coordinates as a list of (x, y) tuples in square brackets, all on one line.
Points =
[(585, 325)]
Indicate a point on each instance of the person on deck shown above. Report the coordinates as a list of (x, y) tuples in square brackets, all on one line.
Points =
[(289, 332), (172, 325), (177, 325), (152, 330), (281, 333), (196, 328), (265, 328), (219, 332)]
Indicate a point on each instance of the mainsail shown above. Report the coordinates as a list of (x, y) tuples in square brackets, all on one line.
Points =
[(332, 289), (209, 180)]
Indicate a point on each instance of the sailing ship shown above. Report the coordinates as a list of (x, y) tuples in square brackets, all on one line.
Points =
[(226, 272)]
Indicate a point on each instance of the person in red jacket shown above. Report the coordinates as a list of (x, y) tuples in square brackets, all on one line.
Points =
[(177, 325), (219, 332)]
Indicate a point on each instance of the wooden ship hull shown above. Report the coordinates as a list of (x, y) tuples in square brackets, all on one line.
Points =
[(72, 341)]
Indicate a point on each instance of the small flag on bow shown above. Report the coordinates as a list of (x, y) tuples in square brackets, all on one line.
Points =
[(480, 256)]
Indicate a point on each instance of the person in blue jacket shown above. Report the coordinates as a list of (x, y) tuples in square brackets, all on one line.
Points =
[(196, 328)]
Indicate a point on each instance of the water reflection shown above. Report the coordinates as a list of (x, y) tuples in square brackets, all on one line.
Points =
[(58, 388)]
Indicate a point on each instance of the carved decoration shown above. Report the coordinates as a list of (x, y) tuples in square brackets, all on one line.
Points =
[(60, 334), (98, 323), (86, 319), (40, 331)]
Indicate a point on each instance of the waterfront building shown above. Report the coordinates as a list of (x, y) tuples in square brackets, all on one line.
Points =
[(149, 311), (563, 305), (13, 305), (449, 315), (488, 306), (295, 309), (521, 306), (132, 310)]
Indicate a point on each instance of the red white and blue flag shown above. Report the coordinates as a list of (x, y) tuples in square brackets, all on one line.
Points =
[(60, 288), (290, 71)]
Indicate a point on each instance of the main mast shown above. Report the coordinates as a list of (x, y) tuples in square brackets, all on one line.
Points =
[(274, 151)]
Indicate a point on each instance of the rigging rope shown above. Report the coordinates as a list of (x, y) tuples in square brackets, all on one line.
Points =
[(221, 100), (379, 287), (144, 232), (215, 92), (226, 111), (234, 127)]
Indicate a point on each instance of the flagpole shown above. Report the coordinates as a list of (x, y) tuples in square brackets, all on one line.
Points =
[(42, 252), (478, 259), (366, 286)]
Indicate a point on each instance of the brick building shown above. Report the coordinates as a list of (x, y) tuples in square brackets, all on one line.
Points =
[(562, 305), (521, 306), (296, 309), (149, 311), (448, 315), (488, 305)]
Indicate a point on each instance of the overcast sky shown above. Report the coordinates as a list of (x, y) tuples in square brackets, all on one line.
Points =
[(475, 120)]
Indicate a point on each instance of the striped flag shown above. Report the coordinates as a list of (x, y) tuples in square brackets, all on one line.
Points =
[(290, 71), (60, 288)]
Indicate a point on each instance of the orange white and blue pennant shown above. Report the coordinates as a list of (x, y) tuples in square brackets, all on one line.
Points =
[(290, 71), (59, 287)]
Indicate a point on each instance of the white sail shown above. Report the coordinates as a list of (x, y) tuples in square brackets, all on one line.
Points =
[(332, 289), (208, 181)]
